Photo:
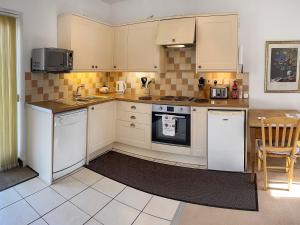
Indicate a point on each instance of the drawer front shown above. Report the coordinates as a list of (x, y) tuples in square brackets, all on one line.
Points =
[(134, 107), (134, 117), (134, 134)]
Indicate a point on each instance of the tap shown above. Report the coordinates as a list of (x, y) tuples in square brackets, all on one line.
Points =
[(77, 93)]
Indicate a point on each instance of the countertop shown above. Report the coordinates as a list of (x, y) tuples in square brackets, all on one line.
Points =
[(59, 106)]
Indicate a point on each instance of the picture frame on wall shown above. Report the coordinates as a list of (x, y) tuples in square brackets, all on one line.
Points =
[(282, 69)]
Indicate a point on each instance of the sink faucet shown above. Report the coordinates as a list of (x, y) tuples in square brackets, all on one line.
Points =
[(77, 94)]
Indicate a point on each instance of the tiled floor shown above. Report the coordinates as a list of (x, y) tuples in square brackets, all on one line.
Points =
[(83, 198)]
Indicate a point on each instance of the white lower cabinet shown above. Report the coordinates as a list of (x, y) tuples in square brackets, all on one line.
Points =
[(134, 124), (199, 133), (135, 134), (101, 126)]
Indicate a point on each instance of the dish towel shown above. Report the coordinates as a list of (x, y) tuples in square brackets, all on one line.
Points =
[(168, 123)]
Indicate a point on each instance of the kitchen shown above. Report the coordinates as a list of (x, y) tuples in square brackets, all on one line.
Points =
[(165, 95)]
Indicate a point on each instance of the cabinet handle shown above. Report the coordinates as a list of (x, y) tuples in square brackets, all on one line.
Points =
[(194, 110), (173, 39), (92, 108), (133, 117), (96, 67), (133, 107), (155, 67), (132, 125), (93, 66), (115, 67), (199, 67)]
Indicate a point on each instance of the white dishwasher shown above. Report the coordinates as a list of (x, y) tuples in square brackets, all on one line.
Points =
[(69, 147), (226, 140)]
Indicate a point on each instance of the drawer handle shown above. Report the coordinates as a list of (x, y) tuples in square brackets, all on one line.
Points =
[(194, 110), (132, 125), (133, 107), (92, 108), (133, 117)]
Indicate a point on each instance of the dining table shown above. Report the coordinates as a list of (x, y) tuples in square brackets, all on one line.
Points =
[(254, 125)]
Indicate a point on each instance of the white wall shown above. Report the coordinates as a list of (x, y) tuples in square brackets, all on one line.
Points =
[(39, 19), (39, 29), (261, 20)]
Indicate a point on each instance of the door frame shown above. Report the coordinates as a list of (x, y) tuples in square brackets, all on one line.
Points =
[(21, 123)]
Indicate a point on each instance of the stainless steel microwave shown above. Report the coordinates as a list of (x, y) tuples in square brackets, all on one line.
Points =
[(51, 60)]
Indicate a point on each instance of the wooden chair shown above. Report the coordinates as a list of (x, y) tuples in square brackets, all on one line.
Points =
[(280, 137)]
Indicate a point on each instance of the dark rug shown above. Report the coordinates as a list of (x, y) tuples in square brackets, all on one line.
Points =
[(204, 187), (15, 176)]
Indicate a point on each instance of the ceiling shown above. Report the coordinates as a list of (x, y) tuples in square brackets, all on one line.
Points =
[(112, 1)]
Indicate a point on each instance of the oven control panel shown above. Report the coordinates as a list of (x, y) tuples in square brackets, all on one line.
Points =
[(171, 109)]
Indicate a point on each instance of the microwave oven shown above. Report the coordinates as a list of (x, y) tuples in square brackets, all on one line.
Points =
[(51, 60)]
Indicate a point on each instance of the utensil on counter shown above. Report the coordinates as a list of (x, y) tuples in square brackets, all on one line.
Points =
[(104, 90), (121, 87), (144, 81)]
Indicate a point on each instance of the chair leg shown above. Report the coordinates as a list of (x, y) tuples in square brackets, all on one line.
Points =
[(265, 171), (291, 173), (287, 164), (259, 161)]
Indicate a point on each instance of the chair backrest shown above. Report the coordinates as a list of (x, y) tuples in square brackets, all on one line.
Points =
[(286, 135)]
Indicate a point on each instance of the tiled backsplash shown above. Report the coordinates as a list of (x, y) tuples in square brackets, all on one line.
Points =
[(42, 87), (179, 79)]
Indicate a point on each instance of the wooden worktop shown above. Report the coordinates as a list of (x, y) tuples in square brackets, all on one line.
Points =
[(59, 107), (267, 113)]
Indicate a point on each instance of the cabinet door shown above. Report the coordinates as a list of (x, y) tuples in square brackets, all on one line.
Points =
[(134, 134), (103, 47), (120, 47), (217, 43), (199, 133), (176, 31), (101, 126), (81, 43), (143, 53)]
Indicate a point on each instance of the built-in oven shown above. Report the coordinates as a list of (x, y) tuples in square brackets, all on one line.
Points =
[(181, 135)]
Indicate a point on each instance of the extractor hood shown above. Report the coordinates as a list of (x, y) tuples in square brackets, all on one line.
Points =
[(176, 32)]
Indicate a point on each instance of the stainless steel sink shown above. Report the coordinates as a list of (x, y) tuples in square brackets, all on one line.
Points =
[(145, 98), (91, 98)]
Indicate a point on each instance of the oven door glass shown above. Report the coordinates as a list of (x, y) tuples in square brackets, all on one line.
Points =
[(182, 130), (56, 60)]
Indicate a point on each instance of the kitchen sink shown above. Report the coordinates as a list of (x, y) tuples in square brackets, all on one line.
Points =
[(145, 98), (90, 98)]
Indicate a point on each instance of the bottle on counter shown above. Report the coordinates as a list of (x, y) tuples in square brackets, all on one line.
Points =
[(234, 90)]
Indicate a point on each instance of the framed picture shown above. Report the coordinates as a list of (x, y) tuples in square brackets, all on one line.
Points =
[(282, 66)]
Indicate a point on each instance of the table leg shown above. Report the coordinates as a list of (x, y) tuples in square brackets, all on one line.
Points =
[(252, 152)]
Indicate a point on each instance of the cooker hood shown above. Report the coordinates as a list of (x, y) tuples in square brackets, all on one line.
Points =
[(176, 32)]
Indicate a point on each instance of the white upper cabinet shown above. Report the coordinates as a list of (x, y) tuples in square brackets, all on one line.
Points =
[(176, 31), (91, 42), (217, 43), (143, 53), (120, 48)]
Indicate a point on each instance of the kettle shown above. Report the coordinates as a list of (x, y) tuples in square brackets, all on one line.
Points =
[(121, 87)]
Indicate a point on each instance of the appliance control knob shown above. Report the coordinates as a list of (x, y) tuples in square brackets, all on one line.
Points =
[(161, 108)]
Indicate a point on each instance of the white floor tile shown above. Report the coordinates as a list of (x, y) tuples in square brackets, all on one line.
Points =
[(8, 197), (87, 176), (31, 186), (162, 207), (135, 198), (145, 219), (69, 187), (90, 201), (39, 222), (18, 213), (116, 213), (93, 222), (109, 187), (45, 200), (66, 214)]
